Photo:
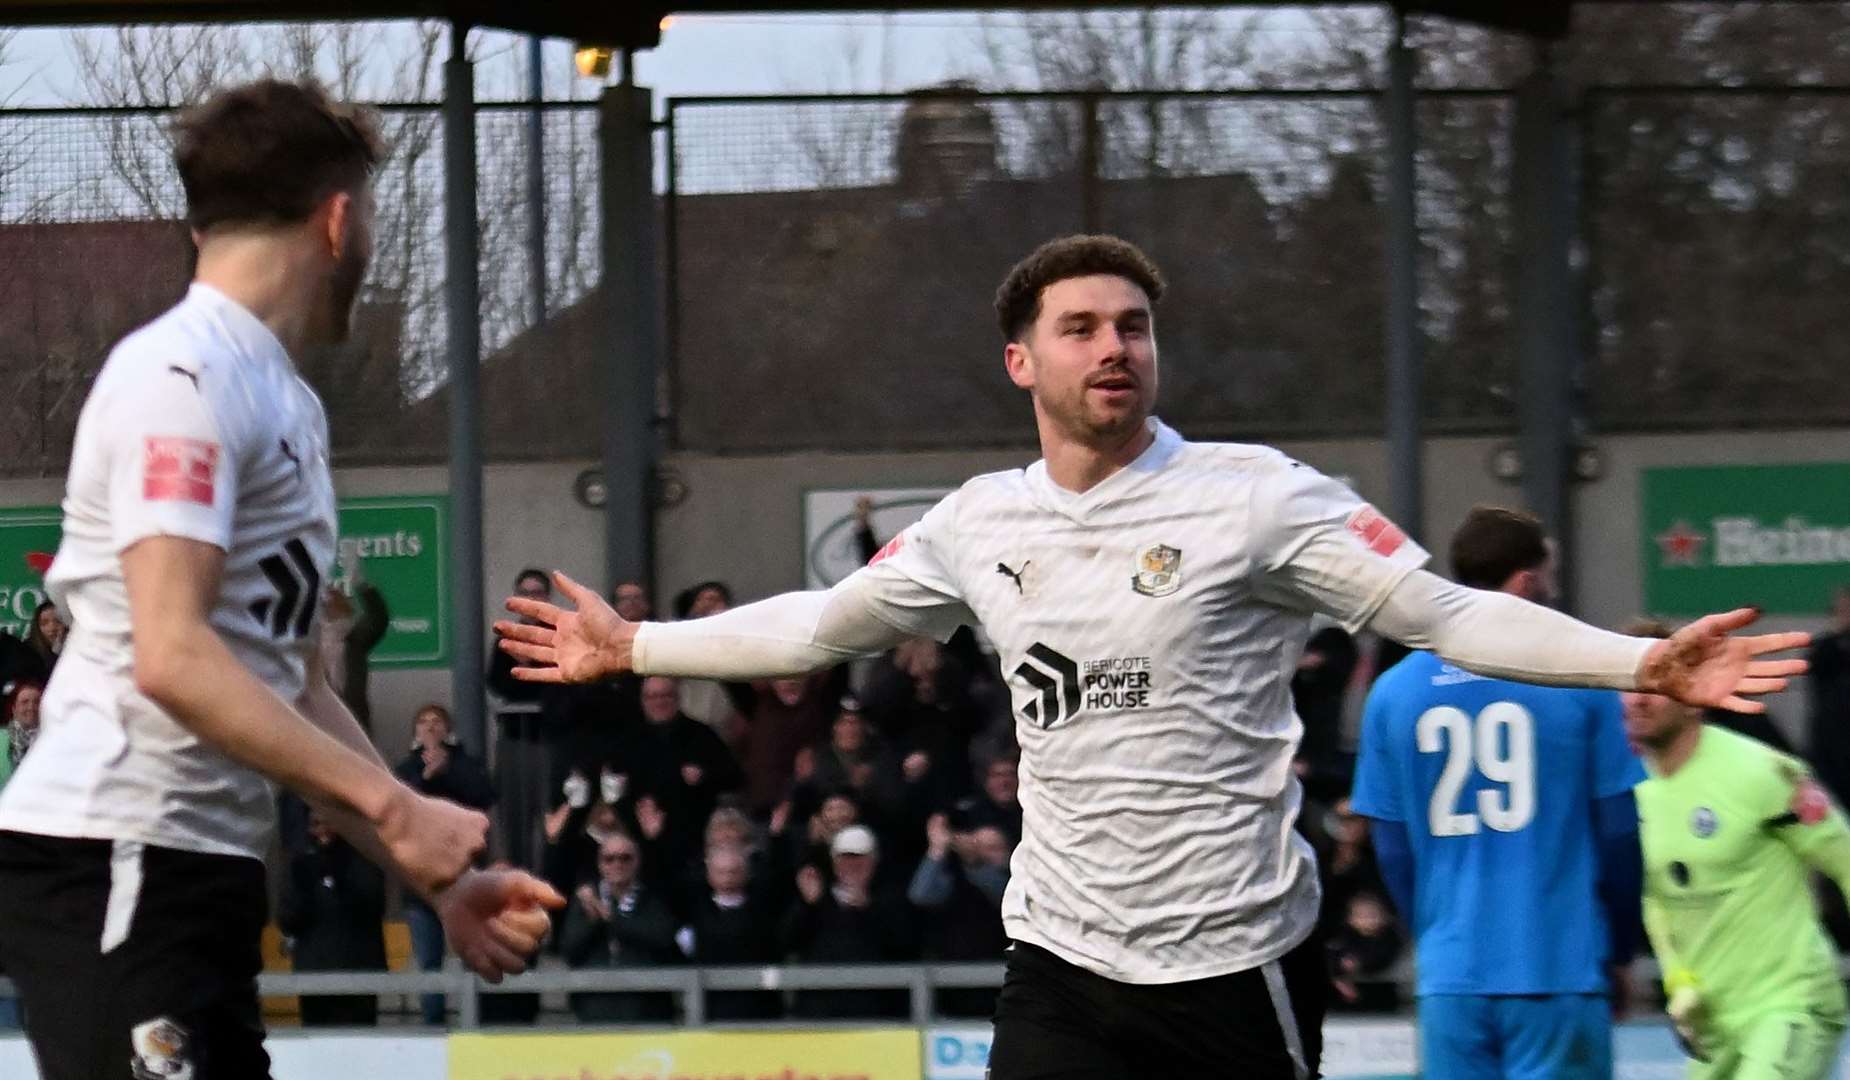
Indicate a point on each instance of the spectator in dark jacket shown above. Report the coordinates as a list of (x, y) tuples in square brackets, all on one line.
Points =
[(44, 641), (787, 716), (1828, 685), (998, 803), (616, 922), (534, 584), (853, 758), (682, 764), (847, 922), (1362, 956), (438, 766), (958, 890), (732, 923), (333, 907), (1317, 692), (352, 628)]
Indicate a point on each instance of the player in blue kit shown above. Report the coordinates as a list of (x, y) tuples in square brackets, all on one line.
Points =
[(1506, 831)]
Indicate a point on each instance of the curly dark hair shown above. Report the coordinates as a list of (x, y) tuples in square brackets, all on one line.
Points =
[(1018, 300)]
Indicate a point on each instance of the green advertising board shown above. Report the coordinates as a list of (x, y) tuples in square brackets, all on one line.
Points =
[(400, 543), (28, 539), (1726, 536)]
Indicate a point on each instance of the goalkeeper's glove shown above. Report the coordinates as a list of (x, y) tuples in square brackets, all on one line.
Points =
[(1689, 1015)]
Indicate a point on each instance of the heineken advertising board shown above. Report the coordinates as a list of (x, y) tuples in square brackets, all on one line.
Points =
[(400, 543), (1719, 537)]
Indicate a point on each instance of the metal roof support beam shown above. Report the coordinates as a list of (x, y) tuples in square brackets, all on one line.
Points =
[(1543, 190), (462, 298), (1404, 345), (633, 343)]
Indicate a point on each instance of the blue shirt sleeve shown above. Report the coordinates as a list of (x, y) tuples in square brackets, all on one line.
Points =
[(1621, 872), (1376, 794), (1616, 770)]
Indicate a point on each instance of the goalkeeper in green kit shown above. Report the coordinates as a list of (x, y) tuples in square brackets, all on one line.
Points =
[(1732, 830)]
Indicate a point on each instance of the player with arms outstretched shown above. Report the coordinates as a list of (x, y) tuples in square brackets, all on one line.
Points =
[(1149, 597), (1732, 831), (198, 527), (1503, 819)]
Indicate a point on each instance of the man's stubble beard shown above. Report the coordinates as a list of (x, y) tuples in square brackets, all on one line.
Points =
[(343, 295)]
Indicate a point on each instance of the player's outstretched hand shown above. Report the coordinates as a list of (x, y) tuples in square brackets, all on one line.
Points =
[(496, 919), (1705, 664), (558, 645), (431, 841)]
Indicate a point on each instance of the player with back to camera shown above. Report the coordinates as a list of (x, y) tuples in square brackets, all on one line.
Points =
[(199, 523), (1503, 820), (1148, 597)]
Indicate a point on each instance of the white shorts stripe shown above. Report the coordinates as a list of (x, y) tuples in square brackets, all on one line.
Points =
[(1287, 1019), (124, 892)]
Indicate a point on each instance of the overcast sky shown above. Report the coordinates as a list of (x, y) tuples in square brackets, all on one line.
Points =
[(699, 54)]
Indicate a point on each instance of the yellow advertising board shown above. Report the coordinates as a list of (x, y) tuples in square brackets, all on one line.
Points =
[(873, 1054)]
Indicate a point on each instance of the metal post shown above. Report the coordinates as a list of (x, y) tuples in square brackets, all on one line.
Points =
[(463, 298), (1406, 497), (626, 135), (920, 992), (536, 181), (468, 996), (1090, 182), (1543, 191)]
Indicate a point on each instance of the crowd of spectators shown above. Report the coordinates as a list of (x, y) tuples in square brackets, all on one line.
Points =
[(861, 814)]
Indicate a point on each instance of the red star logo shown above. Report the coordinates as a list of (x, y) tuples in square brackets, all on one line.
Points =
[(1681, 545)]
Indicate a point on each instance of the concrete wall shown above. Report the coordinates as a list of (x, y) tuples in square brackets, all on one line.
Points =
[(742, 518)]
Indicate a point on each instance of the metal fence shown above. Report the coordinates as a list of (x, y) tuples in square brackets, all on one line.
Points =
[(831, 259), (91, 245), (1718, 256)]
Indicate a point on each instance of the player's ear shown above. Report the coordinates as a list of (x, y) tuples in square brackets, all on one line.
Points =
[(336, 222), (1020, 364)]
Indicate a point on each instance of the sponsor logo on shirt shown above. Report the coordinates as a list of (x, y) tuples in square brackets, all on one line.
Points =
[(177, 469), (1703, 822), (891, 549), (1159, 570), (1376, 533), (1067, 687)]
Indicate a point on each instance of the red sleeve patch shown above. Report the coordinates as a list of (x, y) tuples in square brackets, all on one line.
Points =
[(891, 549), (1810, 804), (1377, 533), (177, 469)]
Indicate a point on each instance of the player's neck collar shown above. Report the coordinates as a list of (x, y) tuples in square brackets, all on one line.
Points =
[(1163, 446), (239, 321)]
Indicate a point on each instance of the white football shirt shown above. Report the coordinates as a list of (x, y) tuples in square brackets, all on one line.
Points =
[(198, 427), (1149, 629)]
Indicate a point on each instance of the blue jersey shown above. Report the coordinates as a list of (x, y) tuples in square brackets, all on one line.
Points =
[(1495, 782)]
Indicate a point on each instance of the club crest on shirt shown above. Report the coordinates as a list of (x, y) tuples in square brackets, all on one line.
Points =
[(1703, 822), (162, 1051), (1159, 570)]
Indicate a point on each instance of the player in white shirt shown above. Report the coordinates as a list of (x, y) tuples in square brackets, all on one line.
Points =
[(1149, 598), (199, 523)]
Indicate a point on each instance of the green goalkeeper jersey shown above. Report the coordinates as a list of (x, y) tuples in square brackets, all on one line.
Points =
[(1730, 841)]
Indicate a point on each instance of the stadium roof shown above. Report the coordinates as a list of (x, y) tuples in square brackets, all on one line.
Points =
[(634, 23)]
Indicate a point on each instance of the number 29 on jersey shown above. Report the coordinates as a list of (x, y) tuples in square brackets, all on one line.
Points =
[(1497, 744)]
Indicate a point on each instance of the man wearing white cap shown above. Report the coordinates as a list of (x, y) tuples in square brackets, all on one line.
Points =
[(842, 920)]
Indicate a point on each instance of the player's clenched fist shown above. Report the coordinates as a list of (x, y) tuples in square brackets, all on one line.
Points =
[(432, 841), (496, 919)]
